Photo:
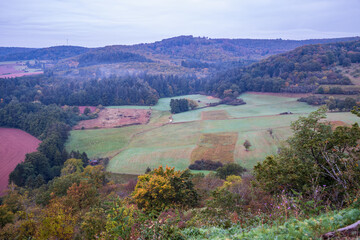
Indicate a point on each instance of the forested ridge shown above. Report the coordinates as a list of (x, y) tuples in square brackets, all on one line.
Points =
[(185, 47), (299, 71), (51, 53)]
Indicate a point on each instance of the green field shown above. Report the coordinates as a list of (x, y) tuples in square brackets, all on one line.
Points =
[(133, 149)]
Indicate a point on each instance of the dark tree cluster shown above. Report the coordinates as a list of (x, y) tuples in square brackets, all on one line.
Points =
[(332, 103), (51, 124), (179, 105), (205, 165)]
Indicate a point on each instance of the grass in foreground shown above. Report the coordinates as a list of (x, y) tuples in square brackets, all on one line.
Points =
[(312, 228)]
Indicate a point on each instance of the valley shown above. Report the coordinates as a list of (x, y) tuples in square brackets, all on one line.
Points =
[(132, 149)]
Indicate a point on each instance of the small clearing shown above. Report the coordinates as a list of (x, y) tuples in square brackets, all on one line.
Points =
[(110, 118), (15, 144)]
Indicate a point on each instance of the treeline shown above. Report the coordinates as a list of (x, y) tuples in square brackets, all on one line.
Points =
[(297, 71), (332, 103), (130, 90), (51, 124)]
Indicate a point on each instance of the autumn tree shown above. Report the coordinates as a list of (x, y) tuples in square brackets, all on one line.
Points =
[(165, 188), (316, 155), (192, 104)]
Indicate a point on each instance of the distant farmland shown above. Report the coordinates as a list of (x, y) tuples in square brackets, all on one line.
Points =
[(17, 69), (196, 134)]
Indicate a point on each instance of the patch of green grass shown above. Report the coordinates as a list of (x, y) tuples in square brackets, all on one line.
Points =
[(101, 142), (258, 99), (167, 145), (136, 160), (256, 105), (346, 117)]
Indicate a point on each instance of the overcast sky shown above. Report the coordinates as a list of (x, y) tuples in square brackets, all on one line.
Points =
[(43, 23)]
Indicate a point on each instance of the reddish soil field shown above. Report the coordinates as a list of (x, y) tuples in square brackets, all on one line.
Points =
[(8, 69), (294, 95), (110, 118), (15, 143)]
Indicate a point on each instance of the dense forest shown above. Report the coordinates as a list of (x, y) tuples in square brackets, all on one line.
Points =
[(133, 90)]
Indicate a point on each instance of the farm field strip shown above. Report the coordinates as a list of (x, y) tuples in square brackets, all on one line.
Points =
[(217, 147)]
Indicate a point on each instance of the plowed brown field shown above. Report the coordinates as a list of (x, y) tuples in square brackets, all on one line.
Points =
[(115, 117), (14, 144)]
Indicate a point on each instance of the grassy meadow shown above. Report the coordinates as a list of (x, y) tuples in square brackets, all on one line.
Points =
[(204, 133)]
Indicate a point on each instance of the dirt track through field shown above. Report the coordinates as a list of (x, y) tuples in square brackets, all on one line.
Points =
[(15, 143)]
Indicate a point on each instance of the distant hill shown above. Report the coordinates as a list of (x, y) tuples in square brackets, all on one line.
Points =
[(298, 71), (51, 53), (182, 55)]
